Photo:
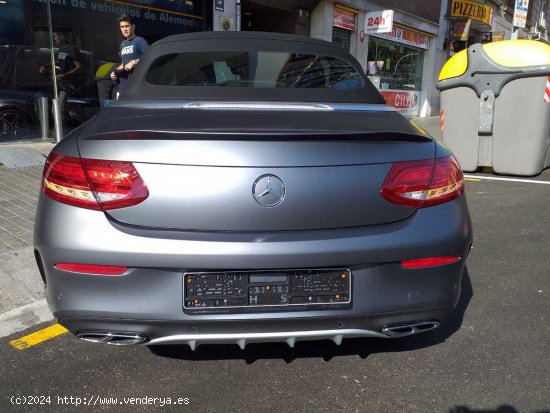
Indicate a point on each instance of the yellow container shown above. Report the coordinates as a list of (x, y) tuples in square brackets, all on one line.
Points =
[(508, 53)]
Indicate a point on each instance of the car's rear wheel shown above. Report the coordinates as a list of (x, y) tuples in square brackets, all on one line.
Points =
[(14, 124)]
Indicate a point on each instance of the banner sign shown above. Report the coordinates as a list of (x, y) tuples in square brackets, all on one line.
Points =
[(461, 30), (379, 22), (520, 13), (177, 13), (405, 36), (406, 102), (343, 19), (472, 10)]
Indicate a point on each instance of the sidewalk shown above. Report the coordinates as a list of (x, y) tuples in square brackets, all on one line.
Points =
[(430, 125), (22, 302)]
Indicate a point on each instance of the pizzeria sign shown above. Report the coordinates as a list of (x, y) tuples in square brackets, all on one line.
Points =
[(472, 10)]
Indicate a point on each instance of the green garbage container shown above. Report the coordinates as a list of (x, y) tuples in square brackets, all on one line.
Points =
[(495, 106)]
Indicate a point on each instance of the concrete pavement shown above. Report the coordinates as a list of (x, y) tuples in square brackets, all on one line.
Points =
[(22, 302), (430, 125)]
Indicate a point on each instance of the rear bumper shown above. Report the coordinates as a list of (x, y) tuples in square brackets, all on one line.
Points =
[(148, 300), (193, 334)]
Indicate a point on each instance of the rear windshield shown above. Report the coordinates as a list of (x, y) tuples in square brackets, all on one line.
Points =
[(253, 69)]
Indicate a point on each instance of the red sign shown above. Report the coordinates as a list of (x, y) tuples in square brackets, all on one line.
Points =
[(405, 36), (344, 19), (379, 21), (406, 102)]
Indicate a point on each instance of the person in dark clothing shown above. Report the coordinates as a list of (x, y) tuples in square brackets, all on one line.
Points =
[(67, 67), (131, 49)]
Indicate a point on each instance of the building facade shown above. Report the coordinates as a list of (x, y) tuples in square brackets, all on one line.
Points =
[(536, 23), (92, 25), (405, 61), (496, 20), (402, 60)]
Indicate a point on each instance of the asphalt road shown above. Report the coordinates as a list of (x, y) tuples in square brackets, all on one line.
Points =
[(491, 356)]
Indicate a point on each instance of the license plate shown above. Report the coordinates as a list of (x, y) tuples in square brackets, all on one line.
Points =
[(275, 290)]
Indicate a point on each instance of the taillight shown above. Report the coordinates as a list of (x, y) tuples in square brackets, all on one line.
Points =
[(429, 262), (423, 183), (93, 183), (91, 268)]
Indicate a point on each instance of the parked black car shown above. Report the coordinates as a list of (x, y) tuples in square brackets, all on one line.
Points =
[(18, 114), (21, 85)]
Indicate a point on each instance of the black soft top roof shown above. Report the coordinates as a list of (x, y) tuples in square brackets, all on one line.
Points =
[(263, 36), (138, 88)]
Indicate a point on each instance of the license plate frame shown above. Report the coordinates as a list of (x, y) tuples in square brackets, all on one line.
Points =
[(263, 290)]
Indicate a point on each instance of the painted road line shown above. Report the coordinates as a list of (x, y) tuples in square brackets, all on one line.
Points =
[(490, 178), (472, 179), (38, 337)]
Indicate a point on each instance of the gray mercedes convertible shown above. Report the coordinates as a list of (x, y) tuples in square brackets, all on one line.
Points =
[(250, 187)]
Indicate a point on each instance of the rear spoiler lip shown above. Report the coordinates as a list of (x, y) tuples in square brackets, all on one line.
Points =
[(273, 135)]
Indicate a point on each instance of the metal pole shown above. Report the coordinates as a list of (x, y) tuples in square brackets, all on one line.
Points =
[(57, 120), (44, 117), (56, 107), (238, 15)]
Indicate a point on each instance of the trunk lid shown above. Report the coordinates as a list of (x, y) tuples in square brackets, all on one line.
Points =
[(207, 171)]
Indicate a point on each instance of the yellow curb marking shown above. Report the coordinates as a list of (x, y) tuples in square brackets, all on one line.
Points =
[(472, 179), (38, 337)]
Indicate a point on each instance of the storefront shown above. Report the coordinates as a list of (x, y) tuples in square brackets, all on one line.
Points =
[(92, 25), (343, 25), (470, 23), (395, 66), (265, 16), (88, 30)]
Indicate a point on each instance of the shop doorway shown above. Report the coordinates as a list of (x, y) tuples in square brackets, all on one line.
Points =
[(265, 18)]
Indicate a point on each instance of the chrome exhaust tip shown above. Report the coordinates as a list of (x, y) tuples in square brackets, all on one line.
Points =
[(115, 339), (407, 329)]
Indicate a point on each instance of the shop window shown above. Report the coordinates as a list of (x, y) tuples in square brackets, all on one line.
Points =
[(27, 72), (7, 62), (394, 66)]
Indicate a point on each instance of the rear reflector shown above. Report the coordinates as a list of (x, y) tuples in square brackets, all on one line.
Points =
[(93, 183), (429, 262), (423, 183), (92, 269)]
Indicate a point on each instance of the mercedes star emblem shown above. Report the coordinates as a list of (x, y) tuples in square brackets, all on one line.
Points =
[(268, 190)]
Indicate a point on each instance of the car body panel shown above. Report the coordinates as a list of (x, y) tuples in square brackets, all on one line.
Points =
[(200, 180), (166, 255)]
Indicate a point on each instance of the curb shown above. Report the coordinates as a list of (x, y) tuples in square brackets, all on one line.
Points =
[(24, 317), (44, 147)]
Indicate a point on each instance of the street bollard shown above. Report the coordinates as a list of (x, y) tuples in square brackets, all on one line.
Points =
[(44, 117), (57, 120)]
